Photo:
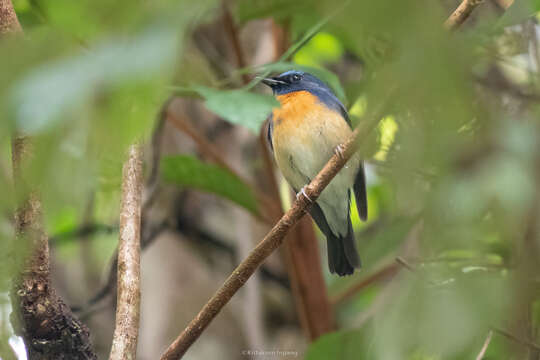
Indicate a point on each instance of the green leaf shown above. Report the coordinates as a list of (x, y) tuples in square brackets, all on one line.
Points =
[(190, 171), (239, 106), (328, 77), (343, 345), (324, 48)]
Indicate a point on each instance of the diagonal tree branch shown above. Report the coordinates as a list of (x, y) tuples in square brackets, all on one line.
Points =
[(124, 344), (270, 242), (461, 14)]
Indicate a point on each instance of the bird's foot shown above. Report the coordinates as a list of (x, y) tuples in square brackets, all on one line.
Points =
[(339, 151), (303, 192)]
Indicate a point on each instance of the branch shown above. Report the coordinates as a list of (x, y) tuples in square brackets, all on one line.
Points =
[(461, 14), (89, 308), (387, 272), (270, 242), (124, 344), (482, 352), (81, 232), (231, 29), (514, 338)]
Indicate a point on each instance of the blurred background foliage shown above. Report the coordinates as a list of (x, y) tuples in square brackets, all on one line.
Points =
[(453, 166)]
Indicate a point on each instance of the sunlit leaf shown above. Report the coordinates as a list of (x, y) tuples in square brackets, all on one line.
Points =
[(323, 48)]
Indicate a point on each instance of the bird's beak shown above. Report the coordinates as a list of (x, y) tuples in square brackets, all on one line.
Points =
[(272, 82)]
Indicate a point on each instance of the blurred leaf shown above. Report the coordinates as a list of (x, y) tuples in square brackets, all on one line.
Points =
[(41, 98), (518, 12), (191, 172), (382, 239), (387, 133), (238, 106), (323, 48)]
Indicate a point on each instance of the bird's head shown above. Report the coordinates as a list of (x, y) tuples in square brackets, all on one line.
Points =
[(293, 80)]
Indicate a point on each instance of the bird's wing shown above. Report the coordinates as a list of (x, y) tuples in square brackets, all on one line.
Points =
[(332, 102), (360, 192), (269, 128)]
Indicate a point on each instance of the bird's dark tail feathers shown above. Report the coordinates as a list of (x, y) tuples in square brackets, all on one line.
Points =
[(342, 253)]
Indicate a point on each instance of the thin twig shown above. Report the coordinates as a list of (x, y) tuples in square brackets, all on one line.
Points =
[(152, 186), (482, 352), (461, 14), (270, 242), (514, 338), (147, 238), (81, 232), (386, 272), (401, 261), (124, 344), (231, 29)]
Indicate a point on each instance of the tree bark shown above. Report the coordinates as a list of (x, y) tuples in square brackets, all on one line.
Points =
[(40, 317), (124, 345)]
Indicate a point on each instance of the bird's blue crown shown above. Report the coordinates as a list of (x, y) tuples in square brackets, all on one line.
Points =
[(293, 80)]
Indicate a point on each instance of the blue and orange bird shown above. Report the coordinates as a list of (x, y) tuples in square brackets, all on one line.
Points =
[(304, 133)]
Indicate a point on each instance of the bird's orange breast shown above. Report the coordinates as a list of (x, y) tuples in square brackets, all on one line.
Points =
[(303, 117), (295, 106), (299, 112)]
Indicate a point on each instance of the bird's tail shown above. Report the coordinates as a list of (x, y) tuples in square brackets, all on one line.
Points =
[(342, 254)]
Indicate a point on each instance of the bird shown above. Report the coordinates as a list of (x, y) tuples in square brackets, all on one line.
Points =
[(304, 132)]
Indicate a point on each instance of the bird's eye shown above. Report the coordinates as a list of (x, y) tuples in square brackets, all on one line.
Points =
[(296, 77)]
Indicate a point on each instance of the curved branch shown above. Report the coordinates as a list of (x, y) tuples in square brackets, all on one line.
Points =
[(124, 344)]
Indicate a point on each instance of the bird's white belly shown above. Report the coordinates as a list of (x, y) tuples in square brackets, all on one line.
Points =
[(302, 156)]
